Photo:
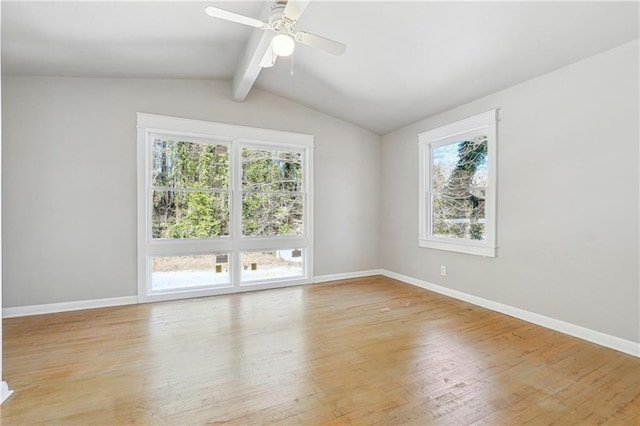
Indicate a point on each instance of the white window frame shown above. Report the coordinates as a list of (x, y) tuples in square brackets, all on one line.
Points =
[(235, 137), (481, 124)]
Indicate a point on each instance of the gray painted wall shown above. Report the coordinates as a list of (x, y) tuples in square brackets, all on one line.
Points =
[(568, 189), (69, 180)]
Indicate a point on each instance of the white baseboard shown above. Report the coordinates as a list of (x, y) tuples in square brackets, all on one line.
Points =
[(346, 276), (50, 308), (5, 392), (597, 337)]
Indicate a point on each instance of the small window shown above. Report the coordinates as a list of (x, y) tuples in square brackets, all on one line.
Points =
[(457, 186), (271, 265), (184, 272)]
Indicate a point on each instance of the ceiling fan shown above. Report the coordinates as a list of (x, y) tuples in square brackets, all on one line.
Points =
[(282, 20)]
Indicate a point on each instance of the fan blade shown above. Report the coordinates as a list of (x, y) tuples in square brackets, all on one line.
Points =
[(295, 8), (322, 43), (216, 12)]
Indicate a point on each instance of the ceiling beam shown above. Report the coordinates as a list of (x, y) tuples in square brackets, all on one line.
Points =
[(249, 69)]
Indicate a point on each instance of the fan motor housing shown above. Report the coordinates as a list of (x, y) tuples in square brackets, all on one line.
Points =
[(278, 20), (277, 11)]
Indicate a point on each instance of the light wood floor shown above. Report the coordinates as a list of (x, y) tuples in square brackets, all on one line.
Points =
[(363, 351)]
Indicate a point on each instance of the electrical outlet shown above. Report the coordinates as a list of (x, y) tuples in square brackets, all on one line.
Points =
[(443, 270)]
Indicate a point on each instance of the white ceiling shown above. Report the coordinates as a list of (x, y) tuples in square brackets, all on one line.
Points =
[(405, 60)]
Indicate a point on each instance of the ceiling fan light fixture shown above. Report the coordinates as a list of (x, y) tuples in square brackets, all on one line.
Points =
[(283, 45), (282, 22)]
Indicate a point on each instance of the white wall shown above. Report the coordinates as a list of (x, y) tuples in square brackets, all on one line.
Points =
[(69, 180), (4, 388), (568, 191)]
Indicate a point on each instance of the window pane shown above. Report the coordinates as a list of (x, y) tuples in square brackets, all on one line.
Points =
[(269, 265), (271, 215), (178, 272), (460, 165), (178, 215), (179, 164), (270, 170), (458, 204), (459, 215)]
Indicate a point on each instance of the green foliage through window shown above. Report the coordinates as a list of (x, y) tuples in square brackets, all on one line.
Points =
[(272, 201), (191, 184), (459, 181)]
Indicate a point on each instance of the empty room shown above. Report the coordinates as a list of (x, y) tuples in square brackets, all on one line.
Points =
[(320, 212)]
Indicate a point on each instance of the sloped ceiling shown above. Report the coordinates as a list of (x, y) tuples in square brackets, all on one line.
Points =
[(405, 60)]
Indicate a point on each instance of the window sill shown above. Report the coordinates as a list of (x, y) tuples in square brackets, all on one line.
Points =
[(477, 250)]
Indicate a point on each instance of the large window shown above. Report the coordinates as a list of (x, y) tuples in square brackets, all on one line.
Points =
[(221, 208), (457, 186)]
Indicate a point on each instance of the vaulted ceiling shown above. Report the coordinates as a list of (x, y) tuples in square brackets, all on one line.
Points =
[(404, 61)]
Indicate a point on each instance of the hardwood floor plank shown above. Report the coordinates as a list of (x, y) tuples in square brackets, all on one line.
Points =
[(356, 352)]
